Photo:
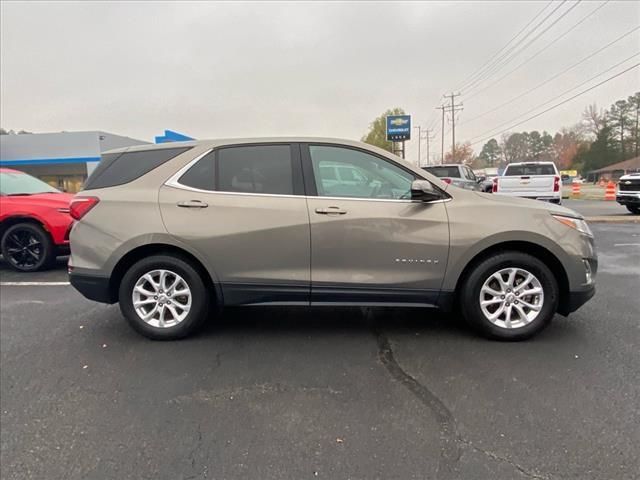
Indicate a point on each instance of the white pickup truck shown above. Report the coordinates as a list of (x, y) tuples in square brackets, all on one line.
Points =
[(535, 180), (628, 192)]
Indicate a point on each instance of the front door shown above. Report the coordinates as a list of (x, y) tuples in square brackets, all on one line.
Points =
[(370, 243), (243, 209)]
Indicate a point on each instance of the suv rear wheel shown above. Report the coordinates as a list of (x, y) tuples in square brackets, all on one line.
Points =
[(510, 296), (163, 297)]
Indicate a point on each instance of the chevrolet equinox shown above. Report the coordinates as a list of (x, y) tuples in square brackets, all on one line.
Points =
[(173, 231)]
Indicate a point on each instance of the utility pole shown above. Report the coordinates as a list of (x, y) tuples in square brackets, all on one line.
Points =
[(453, 108), (428, 137), (419, 141), (442, 107), (421, 137)]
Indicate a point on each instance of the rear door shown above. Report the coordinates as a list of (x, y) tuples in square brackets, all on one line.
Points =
[(242, 207), (370, 242)]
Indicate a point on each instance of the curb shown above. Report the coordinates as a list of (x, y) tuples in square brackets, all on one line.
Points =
[(613, 219)]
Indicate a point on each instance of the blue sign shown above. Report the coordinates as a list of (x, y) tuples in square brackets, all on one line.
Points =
[(171, 136), (398, 128)]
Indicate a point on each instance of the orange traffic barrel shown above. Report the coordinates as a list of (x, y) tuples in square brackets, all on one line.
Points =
[(575, 189), (610, 192)]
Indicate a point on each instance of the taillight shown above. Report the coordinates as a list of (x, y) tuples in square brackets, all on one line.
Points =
[(446, 180), (494, 187), (556, 184), (80, 206)]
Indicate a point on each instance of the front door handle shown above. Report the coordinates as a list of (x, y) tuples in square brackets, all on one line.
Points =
[(192, 204), (330, 211)]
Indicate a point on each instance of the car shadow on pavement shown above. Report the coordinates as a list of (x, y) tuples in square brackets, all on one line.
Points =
[(328, 320)]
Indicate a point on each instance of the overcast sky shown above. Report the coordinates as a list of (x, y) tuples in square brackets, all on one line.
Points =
[(305, 68)]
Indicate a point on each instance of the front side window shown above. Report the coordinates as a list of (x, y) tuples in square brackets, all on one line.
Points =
[(345, 172), (469, 174), (256, 169)]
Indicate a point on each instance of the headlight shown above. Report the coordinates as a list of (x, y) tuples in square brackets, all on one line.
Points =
[(575, 223)]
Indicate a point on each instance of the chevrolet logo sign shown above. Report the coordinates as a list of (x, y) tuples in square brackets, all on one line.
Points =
[(399, 121)]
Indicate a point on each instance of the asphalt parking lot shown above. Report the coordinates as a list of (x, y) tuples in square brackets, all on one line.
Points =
[(334, 394), (597, 208)]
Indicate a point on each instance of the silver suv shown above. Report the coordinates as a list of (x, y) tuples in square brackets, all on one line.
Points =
[(174, 231)]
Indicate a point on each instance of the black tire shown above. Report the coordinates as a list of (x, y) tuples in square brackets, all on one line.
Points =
[(633, 209), (200, 297), (27, 247), (469, 295)]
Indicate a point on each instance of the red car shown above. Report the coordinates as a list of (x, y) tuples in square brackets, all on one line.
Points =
[(34, 221)]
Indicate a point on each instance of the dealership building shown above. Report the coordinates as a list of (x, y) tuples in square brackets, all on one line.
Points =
[(63, 160)]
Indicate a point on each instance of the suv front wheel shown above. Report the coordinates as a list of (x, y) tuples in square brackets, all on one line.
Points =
[(163, 297), (510, 296)]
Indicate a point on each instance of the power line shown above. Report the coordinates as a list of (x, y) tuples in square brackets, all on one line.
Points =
[(552, 42), (556, 105), (554, 76), (506, 57), (490, 59), (562, 94)]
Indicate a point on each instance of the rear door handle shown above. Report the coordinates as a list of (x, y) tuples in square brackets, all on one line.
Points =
[(192, 204), (330, 211)]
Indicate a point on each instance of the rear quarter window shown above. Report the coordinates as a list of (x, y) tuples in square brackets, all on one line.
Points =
[(120, 168)]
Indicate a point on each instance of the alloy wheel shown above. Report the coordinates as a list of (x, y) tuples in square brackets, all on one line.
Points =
[(161, 298), (511, 298), (24, 249)]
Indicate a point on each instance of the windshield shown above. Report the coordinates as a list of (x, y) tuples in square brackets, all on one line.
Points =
[(519, 170), (16, 183), (444, 172)]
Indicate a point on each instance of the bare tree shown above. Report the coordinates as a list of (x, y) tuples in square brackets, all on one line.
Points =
[(593, 119)]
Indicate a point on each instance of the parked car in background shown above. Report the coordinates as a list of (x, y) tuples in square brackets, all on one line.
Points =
[(34, 221), (456, 174), (533, 180), (273, 221), (486, 183), (628, 192)]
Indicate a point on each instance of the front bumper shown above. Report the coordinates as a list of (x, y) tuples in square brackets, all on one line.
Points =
[(92, 287), (624, 198), (576, 299)]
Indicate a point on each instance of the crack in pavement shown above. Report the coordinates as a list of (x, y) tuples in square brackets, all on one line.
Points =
[(452, 440)]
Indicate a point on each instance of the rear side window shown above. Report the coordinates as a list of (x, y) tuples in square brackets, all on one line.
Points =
[(120, 168), (256, 169), (444, 172), (521, 170), (202, 174)]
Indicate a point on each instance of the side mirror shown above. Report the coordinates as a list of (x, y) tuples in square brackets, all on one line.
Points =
[(424, 191), (481, 179)]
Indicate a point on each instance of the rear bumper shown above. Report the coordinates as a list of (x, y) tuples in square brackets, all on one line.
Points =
[(576, 300), (92, 287)]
